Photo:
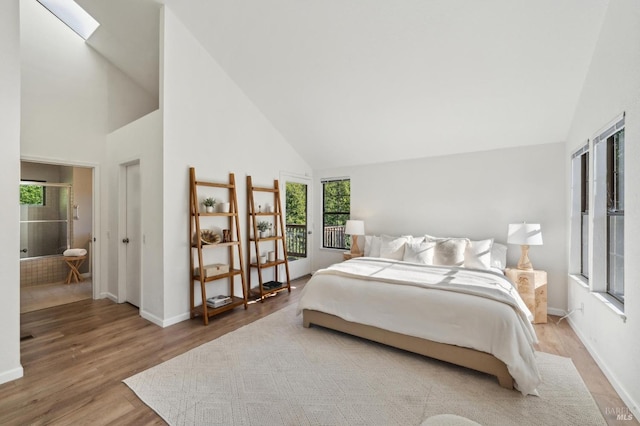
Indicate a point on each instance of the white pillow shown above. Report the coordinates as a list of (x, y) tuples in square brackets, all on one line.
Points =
[(392, 247), (419, 252), (372, 246), (478, 254), (498, 256), (450, 251)]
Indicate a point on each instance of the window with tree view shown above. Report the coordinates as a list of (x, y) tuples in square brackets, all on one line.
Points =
[(336, 208), (32, 194)]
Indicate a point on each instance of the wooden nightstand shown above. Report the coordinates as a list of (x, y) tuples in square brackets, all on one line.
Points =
[(532, 286), (348, 255)]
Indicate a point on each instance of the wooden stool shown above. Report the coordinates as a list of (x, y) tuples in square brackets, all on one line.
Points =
[(74, 263)]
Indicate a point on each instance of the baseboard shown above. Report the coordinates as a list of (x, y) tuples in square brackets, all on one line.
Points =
[(557, 312), (626, 398), (13, 374), (109, 296), (152, 318), (176, 319)]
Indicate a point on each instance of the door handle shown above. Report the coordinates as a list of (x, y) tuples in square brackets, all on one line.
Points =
[(23, 250), (125, 240)]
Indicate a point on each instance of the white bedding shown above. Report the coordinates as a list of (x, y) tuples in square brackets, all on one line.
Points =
[(465, 307)]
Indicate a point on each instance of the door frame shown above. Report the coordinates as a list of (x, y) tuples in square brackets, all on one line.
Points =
[(122, 227), (307, 180), (96, 229)]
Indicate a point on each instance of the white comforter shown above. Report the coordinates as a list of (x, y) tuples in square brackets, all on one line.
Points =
[(464, 307)]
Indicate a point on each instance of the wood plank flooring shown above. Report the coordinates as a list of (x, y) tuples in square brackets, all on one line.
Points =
[(79, 353)]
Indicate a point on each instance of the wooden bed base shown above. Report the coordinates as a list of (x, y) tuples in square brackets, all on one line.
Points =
[(465, 357)]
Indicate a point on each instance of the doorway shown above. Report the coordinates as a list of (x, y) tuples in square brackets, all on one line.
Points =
[(56, 214), (297, 190), (130, 248)]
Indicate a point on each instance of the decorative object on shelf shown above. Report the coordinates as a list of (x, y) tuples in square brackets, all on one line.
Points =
[(219, 301), (354, 228), (212, 270), (263, 227), (209, 204), (268, 208), (226, 236), (223, 207), (263, 259), (207, 236), (525, 234), (271, 256)]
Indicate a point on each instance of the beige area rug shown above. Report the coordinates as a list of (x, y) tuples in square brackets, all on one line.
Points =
[(275, 372)]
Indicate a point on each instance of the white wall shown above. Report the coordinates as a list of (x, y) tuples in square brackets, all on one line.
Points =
[(612, 87), (71, 96), (210, 124), (10, 367), (473, 195), (140, 141)]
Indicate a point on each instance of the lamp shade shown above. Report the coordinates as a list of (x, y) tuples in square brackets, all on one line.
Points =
[(528, 234), (354, 227)]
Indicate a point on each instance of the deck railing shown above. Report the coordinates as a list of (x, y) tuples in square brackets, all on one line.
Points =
[(334, 236), (296, 237)]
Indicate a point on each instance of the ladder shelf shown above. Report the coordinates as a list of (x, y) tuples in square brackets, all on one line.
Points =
[(199, 247)]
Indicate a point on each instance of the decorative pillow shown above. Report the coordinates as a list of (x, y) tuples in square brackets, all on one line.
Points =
[(372, 246), (498, 256), (478, 254), (419, 252), (392, 247), (450, 251)]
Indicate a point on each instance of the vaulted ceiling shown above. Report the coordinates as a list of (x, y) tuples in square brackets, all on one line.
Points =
[(363, 81)]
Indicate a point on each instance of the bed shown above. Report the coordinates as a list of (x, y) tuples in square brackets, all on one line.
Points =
[(469, 317)]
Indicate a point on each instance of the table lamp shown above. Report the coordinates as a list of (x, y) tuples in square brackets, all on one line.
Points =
[(525, 234), (354, 228)]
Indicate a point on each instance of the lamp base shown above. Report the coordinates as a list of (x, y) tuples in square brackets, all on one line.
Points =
[(524, 263), (354, 246)]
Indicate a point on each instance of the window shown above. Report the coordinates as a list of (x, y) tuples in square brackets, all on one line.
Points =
[(607, 249), (336, 208), (32, 194), (584, 214), (580, 212), (615, 215)]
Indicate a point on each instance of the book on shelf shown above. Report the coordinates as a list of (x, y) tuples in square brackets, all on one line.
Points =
[(269, 285), (218, 301)]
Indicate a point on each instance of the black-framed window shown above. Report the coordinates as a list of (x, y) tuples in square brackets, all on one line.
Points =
[(615, 215), (584, 214), (336, 210)]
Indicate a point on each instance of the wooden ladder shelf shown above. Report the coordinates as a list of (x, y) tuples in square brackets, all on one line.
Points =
[(275, 241), (233, 244)]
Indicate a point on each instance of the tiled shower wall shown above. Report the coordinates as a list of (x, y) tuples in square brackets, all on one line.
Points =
[(43, 270)]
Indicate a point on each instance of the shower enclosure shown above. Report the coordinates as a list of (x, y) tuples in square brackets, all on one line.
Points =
[(45, 231)]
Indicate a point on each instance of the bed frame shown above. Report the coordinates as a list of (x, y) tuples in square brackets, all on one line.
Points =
[(465, 357)]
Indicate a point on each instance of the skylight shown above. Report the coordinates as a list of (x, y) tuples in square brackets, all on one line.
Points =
[(73, 15)]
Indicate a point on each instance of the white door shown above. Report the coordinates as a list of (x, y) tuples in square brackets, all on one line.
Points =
[(133, 235), (297, 207)]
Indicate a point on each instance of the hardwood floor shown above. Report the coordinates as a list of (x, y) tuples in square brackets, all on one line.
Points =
[(79, 353)]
